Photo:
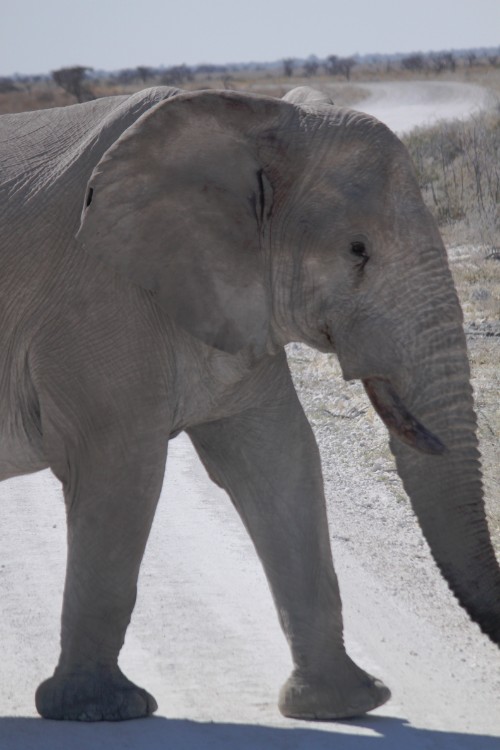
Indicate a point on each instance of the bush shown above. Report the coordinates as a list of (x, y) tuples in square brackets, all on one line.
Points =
[(458, 169)]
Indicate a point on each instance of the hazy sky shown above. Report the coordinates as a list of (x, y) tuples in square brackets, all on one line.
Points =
[(37, 36)]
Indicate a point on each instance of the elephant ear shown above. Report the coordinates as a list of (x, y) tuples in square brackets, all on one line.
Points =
[(176, 206)]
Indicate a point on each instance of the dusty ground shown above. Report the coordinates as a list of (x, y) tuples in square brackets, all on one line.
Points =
[(204, 637)]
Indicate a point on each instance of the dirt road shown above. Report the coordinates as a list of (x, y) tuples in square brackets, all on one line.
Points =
[(403, 106), (204, 638)]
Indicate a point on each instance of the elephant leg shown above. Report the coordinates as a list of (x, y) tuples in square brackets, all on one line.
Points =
[(267, 460), (111, 493)]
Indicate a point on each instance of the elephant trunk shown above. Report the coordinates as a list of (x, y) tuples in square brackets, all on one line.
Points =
[(445, 486)]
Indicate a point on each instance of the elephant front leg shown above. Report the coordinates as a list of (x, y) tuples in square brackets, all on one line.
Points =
[(110, 509), (268, 461)]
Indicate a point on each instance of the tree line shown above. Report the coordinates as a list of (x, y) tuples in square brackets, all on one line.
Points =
[(78, 80)]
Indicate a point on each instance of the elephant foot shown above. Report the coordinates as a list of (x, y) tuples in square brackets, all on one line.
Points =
[(306, 697), (103, 694)]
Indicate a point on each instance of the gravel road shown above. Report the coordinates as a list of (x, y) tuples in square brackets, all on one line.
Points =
[(204, 637)]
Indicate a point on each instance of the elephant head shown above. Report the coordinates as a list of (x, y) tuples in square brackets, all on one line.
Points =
[(255, 222)]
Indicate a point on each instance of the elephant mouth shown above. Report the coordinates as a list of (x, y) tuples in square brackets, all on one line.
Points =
[(398, 420)]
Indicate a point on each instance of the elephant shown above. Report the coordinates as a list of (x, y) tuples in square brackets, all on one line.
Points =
[(159, 251)]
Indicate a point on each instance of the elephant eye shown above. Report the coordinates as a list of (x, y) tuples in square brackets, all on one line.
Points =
[(358, 249)]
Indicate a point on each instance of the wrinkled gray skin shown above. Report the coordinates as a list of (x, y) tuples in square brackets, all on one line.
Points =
[(159, 251)]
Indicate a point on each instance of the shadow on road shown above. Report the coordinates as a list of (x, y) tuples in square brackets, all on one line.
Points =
[(159, 733)]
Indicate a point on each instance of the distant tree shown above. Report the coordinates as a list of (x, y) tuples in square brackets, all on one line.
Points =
[(451, 63), (340, 66), (176, 75), (205, 69), (471, 58), (443, 61), (413, 63), (144, 72), (345, 65), (288, 64), (332, 64), (126, 76), (311, 67), (7, 86), (72, 80)]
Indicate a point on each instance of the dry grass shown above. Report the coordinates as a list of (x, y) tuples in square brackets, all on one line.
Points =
[(458, 168), (38, 97), (47, 95), (44, 95), (477, 278)]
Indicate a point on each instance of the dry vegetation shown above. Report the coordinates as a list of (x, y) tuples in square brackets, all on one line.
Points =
[(47, 94), (458, 168), (458, 165)]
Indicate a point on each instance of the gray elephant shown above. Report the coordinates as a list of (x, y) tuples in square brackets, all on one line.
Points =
[(159, 250)]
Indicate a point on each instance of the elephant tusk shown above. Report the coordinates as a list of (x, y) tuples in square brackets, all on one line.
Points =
[(398, 419)]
